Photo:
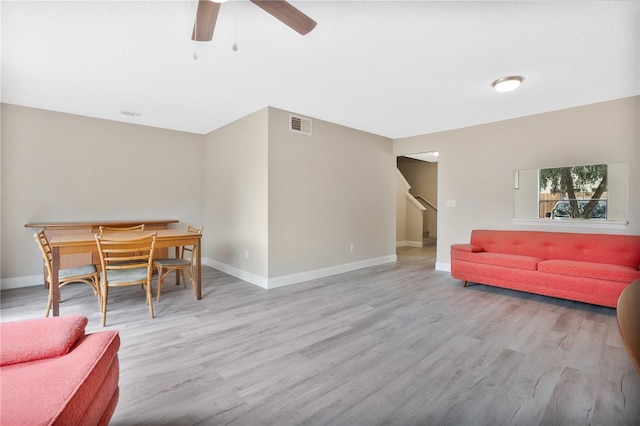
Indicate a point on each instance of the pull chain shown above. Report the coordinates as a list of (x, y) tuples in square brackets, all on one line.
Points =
[(195, 39), (235, 26)]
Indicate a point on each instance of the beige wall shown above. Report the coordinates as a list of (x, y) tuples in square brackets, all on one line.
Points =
[(423, 178), (415, 221), (282, 207), (410, 214), (1, 190), (236, 197), (277, 209), (327, 191), (402, 188), (320, 193), (55, 167), (476, 164)]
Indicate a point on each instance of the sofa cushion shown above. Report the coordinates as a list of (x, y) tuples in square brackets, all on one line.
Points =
[(603, 271), (467, 247), (500, 259), (601, 248), (39, 338), (76, 388)]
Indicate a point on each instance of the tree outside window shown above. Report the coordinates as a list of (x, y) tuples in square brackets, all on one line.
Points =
[(578, 192)]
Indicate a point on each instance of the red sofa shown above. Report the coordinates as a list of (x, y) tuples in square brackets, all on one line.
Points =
[(52, 373), (591, 268)]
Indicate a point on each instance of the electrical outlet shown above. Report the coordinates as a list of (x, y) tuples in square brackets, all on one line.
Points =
[(450, 203), (246, 253), (352, 247)]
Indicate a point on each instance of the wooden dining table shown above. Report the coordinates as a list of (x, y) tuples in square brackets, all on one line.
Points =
[(74, 243)]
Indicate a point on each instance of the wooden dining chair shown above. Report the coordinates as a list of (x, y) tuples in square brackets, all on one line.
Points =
[(137, 228), (125, 262), (182, 262), (109, 229), (628, 316), (87, 274)]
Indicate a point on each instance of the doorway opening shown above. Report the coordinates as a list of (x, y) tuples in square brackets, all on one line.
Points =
[(417, 197)]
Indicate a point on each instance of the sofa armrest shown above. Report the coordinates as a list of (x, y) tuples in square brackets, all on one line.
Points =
[(40, 338), (472, 248)]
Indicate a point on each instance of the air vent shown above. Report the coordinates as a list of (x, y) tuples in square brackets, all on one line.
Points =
[(130, 113), (300, 124)]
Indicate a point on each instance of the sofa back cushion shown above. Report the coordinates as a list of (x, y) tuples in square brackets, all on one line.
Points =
[(601, 248), (39, 338)]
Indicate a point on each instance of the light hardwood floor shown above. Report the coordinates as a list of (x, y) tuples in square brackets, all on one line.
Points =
[(397, 344)]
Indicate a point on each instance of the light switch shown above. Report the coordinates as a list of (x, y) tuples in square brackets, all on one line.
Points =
[(450, 203)]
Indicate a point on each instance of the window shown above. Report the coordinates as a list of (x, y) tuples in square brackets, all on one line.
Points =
[(576, 192), (590, 195)]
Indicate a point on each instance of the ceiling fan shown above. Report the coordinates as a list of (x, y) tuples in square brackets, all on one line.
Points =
[(207, 15)]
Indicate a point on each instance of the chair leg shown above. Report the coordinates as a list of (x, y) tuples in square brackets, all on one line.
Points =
[(105, 297), (98, 292), (160, 281), (150, 298), (193, 283), (184, 281), (49, 302)]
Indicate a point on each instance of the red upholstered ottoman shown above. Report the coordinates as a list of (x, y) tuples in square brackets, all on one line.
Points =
[(52, 373)]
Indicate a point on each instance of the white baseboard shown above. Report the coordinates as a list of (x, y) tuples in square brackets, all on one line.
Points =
[(409, 244), (264, 282), (249, 277), (269, 283), (18, 282), (326, 272), (443, 266)]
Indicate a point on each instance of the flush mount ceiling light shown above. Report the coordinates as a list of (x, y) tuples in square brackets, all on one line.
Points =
[(507, 84)]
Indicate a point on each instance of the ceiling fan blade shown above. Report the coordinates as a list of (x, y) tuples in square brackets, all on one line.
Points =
[(205, 22), (288, 14)]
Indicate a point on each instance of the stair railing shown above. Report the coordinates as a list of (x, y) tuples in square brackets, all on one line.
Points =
[(426, 202)]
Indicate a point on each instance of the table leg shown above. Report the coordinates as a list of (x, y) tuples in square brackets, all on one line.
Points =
[(55, 253), (198, 271), (177, 254)]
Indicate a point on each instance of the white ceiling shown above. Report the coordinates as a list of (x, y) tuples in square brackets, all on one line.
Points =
[(393, 68)]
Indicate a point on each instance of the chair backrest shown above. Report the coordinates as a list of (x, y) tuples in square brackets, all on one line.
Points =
[(191, 248), (137, 228), (628, 316), (194, 229), (45, 249), (121, 254)]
